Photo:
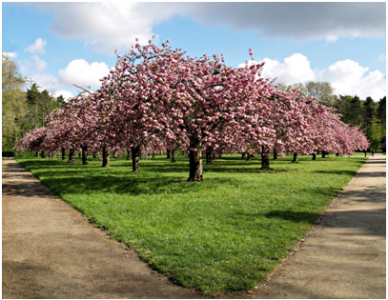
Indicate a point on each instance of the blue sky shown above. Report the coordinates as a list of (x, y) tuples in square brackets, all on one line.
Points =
[(61, 44)]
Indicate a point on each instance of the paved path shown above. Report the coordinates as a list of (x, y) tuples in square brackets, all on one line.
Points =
[(50, 251), (345, 255)]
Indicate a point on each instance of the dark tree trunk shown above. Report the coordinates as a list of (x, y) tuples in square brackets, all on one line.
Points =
[(168, 154), (314, 156), (248, 156), (94, 155), (275, 154), (43, 154), (337, 154), (37, 154), (63, 154), (153, 154), (264, 158), (220, 156), (196, 168), (105, 156), (295, 157), (135, 159), (214, 156), (209, 156), (71, 156), (173, 155), (243, 155), (128, 155), (85, 155), (79, 154), (323, 154)]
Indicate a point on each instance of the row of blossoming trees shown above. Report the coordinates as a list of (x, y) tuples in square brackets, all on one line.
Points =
[(158, 99)]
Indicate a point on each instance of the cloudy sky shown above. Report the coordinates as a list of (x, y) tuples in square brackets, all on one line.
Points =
[(61, 44)]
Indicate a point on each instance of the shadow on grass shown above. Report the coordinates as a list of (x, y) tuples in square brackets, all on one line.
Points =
[(287, 215), (337, 172), (297, 217)]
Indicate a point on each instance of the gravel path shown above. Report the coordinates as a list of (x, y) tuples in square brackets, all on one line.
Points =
[(51, 251), (345, 255)]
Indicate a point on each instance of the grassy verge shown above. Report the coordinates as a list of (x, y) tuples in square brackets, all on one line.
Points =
[(222, 236)]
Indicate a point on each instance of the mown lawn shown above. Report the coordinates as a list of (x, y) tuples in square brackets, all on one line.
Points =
[(222, 236)]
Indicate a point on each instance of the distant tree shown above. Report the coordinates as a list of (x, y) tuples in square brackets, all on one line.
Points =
[(60, 102), (368, 115), (381, 112), (14, 105), (322, 91)]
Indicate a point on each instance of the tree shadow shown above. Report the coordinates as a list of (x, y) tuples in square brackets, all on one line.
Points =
[(337, 172)]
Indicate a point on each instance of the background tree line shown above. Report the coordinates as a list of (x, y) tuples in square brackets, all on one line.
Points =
[(22, 110), (369, 114)]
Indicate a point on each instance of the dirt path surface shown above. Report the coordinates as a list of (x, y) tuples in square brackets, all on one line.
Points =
[(344, 255), (50, 251)]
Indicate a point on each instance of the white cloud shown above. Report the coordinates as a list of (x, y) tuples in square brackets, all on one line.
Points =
[(39, 63), (37, 47), (107, 26), (298, 20), (47, 82), (295, 68), (82, 73), (382, 57), (10, 54), (65, 94), (347, 77)]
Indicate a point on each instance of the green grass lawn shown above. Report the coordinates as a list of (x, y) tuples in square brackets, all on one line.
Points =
[(222, 236)]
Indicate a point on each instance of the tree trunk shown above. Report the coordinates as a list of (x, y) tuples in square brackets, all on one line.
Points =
[(85, 155), (153, 154), (196, 168), (63, 154), (264, 158), (209, 156), (135, 159), (275, 153), (168, 154), (220, 156), (243, 155), (37, 153), (173, 155), (314, 156), (71, 156), (128, 155), (79, 154), (114, 155), (94, 155), (105, 156), (295, 157), (323, 154), (43, 154), (248, 156)]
